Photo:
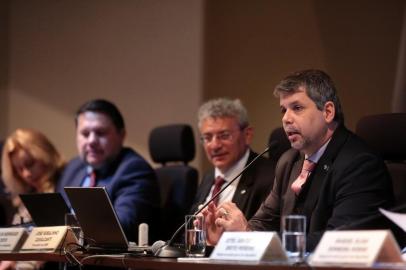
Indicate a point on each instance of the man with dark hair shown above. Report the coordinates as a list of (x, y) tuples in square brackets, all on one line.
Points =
[(103, 161), (329, 175)]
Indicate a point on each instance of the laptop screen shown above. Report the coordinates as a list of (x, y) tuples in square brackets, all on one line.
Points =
[(46, 209), (96, 215)]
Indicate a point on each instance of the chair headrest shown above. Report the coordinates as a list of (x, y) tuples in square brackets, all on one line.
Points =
[(172, 143), (280, 143), (386, 133)]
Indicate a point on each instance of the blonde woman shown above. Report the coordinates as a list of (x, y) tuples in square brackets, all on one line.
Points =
[(30, 164)]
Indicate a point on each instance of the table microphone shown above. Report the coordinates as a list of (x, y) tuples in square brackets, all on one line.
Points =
[(165, 249)]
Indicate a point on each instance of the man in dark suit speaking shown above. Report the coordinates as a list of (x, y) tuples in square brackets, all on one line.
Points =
[(104, 161), (226, 136), (329, 175)]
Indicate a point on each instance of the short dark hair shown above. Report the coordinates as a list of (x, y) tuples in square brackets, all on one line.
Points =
[(103, 106), (319, 87)]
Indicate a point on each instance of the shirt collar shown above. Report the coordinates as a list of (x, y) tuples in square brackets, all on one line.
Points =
[(235, 169), (317, 155)]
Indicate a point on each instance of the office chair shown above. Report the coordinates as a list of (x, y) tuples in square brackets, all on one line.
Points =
[(173, 146), (386, 134)]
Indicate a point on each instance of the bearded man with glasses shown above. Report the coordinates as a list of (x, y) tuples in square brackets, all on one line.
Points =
[(226, 136)]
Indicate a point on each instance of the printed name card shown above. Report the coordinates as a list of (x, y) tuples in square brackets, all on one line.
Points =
[(249, 246), (356, 248), (49, 239), (11, 239)]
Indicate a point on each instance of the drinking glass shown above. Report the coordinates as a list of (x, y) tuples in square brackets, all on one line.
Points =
[(294, 237), (195, 236), (72, 222)]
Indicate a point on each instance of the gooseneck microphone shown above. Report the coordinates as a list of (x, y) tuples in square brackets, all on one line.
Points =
[(165, 249)]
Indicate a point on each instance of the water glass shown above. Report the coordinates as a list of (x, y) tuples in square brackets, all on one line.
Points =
[(72, 222), (294, 237), (195, 236)]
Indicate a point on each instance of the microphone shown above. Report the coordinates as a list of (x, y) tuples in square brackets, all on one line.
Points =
[(166, 249), (143, 235)]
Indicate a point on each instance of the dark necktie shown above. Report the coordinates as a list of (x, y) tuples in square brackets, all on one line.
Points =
[(307, 168), (218, 183), (92, 177)]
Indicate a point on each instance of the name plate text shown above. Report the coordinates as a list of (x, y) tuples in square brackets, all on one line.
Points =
[(249, 246), (46, 239), (11, 239), (356, 248)]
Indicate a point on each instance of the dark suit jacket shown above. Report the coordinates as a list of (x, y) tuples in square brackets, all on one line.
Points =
[(253, 187), (348, 183), (132, 188)]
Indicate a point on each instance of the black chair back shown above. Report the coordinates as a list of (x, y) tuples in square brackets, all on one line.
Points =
[(386, 134), (173, 146)]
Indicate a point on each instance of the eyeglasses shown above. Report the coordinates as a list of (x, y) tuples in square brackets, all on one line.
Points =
[(223, 136)]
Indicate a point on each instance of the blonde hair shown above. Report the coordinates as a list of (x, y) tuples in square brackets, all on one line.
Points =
[(40, 149)]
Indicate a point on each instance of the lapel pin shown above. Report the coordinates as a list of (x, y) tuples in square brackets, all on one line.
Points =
[(243, 191), (326, 167)]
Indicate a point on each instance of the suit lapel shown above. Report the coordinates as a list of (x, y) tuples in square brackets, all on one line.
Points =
[(290, 196), (322, 168), (77, 182), (244, 185)]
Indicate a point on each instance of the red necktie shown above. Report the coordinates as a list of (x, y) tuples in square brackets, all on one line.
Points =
[(307, 168), (92, 177), (218, 183)]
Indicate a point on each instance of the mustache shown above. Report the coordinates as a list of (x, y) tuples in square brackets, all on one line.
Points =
[(290, 129)]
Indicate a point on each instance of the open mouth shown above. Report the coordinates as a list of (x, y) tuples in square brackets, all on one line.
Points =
[(292, 134)]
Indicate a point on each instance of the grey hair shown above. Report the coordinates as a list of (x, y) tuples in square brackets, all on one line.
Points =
[(319, 87), (223, 107)]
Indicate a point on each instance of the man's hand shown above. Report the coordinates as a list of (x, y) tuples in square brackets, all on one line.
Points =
[(213, 232), (225, 217), (230, 217)]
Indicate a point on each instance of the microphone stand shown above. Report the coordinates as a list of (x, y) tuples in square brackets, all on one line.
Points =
[(169, 251)]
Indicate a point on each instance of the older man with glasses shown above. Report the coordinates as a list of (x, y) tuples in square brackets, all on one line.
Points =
[(226, 136)]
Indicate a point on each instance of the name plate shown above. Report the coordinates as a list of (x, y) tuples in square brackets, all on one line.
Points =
[(11, 239), (249, 246), (48, 239), (356, 248)]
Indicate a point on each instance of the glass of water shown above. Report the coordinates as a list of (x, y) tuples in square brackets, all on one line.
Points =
[(294, 237), (195, 236), (72, 222)]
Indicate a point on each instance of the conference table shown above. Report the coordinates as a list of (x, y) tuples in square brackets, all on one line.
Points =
[(151, 263)]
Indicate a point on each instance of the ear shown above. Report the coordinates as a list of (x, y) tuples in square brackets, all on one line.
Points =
[(329, 111), (248, 134)]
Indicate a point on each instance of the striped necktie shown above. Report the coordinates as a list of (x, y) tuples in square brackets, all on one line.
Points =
[(307, 168)]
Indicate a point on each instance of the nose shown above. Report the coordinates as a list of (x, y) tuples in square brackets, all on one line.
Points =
[(25, 173), (215, 144), (92, 138), (287, 117)]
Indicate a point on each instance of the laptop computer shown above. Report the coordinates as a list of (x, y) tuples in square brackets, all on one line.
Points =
[(97, 217), (46, 209)]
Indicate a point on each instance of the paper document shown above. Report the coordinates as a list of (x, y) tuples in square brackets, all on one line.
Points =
[(398, 219)]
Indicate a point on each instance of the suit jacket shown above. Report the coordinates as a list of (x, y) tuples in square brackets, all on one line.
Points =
[(253, 187), (348, 183), (131, 185)]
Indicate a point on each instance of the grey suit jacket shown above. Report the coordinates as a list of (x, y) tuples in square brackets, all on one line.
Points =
[(349, 183)]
